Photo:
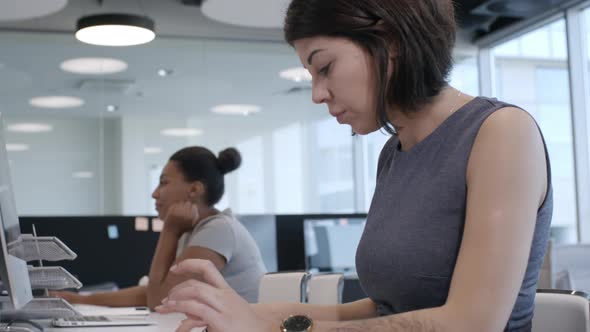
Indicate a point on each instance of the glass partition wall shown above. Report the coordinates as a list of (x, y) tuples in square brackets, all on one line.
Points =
[(103, 155)]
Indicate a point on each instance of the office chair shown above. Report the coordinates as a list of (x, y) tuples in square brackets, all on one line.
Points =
[(283, 287), (325, 288), (561, 310)]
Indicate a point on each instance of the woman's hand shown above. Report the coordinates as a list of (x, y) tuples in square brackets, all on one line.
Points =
[(212, 302), (182, 217)]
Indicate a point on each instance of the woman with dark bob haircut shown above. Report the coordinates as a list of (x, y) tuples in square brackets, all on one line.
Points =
[(459, 222)]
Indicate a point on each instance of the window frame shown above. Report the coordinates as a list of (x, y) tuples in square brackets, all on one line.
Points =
[(579, 78)]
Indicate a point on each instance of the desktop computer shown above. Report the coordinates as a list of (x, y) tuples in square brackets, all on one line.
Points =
[(14, 274), (17, 301), (330, 243)]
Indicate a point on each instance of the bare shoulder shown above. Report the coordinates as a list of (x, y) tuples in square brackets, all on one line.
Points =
[(509, 146), (512, 126), (511, 119)]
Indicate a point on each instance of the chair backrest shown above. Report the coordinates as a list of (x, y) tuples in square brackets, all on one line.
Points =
[(563, 311), (283, 287), (325, 288)]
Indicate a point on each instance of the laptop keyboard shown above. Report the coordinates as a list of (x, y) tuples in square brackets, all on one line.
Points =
[(87, 319)]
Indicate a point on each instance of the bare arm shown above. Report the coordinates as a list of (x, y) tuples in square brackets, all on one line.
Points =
[(507, 182), (362, 309), (128, 297), (161, 281)]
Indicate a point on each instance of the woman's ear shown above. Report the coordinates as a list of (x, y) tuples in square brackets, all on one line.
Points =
[(197, 190)]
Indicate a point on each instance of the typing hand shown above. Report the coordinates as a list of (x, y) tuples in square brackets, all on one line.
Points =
[(211, 302)]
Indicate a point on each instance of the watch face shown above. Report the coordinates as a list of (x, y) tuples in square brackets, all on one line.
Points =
[(297, 324)]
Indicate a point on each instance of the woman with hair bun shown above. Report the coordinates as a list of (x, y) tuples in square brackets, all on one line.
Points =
[(191, 183)]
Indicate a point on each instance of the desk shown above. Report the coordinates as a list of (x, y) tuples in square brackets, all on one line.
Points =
[(167, 323)]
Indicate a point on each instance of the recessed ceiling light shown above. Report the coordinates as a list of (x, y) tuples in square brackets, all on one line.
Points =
[(165, 72), (94, 66), (29, 128), (152, 150), (296, 74), (83, 175), (16, 147), (236, 109), (112, 108), (115, 30), (181, 132), (56, 102)]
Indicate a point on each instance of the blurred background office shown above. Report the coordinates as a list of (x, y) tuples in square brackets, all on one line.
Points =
[(89, 127)]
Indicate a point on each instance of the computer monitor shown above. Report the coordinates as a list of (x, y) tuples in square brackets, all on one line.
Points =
[(330, 244), (13, 271)]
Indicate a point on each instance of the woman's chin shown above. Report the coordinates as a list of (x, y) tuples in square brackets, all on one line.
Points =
[(364, 130)]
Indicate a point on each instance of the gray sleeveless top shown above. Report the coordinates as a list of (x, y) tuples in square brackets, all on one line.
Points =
[(408, 250)]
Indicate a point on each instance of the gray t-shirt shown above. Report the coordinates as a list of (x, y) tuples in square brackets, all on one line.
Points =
[(225, 235)]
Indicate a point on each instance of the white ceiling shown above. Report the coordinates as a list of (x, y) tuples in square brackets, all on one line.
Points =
[(173, 19), (212, 63), (27, 9)]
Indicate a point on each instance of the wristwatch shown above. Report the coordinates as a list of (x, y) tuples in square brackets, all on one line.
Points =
[(297, 323)]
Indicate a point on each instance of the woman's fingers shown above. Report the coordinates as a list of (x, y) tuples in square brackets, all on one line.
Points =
[(183, 285), (204, 268), (193, 308), (188, 324), (200, 292), (162, 309)]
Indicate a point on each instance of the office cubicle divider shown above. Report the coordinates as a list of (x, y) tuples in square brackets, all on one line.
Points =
[(119, 249)]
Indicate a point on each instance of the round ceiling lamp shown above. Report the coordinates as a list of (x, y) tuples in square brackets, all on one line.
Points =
[(115, 30), (29, 128), (236, 109), (16, 10), (56, 102), (94, 66), (247, 13)]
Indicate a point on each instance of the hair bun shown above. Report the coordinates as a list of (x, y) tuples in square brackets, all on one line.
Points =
[(229, 160)]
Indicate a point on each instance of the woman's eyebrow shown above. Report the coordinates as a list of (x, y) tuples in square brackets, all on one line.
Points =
[(310, 57)]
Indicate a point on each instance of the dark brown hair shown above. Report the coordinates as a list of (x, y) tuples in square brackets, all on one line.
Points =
[(199, 164), (418, 35)]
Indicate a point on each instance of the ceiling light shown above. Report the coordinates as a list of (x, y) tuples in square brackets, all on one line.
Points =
[(94, 66), (165, 72), (112, 108), (296, 74), (152, 150), (56, 102), (115, 30), (29, 128), (16, 147), (236, 109), (83, 175), (181, 132)]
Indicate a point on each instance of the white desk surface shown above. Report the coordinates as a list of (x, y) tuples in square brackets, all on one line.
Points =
[(167, 323)]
